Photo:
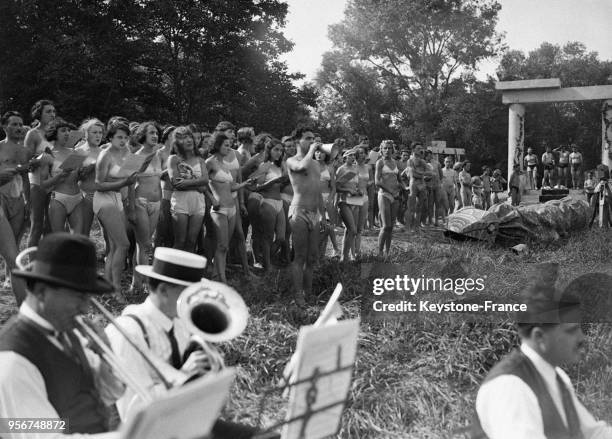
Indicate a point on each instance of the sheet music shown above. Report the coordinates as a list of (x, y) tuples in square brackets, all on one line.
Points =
[(185, 412), (73, 161), (133, 163), (319, 350), (346, 176), (74, 137)]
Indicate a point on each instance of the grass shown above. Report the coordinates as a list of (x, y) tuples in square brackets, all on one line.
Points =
[(412, 379)]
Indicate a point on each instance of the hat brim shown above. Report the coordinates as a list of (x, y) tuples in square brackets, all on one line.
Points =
[(147, 270), (99, 286)]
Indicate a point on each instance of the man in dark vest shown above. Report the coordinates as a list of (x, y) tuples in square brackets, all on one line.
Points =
[(527, 395), (46, 371)]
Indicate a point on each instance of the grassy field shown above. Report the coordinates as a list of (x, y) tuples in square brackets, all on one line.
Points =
[(411, 379)]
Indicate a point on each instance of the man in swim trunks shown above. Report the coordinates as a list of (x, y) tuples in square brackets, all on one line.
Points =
[(531, 163), (13, 183), (563, 165), (548, 161), (575, 159), (304, 211)]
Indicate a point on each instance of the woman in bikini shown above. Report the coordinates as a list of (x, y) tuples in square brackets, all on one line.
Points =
[(365, 180), (350, 200), (328, 194), (187, 172), (93, 131), (224, 210), (111, 188), (66, 197), (270, 176), (386, 178), (39, 148), (147, 195)]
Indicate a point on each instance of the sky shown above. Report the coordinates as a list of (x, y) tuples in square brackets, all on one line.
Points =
[(527, 23)]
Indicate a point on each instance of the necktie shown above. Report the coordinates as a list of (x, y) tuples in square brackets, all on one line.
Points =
[(573, 423), (176, 356)]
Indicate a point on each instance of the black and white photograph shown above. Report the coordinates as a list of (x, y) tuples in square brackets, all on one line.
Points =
[(305, 219)]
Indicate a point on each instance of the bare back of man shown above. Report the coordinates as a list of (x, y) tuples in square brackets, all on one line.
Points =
[(304, 212)]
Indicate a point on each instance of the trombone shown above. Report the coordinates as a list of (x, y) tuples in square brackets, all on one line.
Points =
[(212, 311)]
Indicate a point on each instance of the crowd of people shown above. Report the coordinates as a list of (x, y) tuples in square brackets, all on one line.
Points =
[(176, 186), (560, 167)]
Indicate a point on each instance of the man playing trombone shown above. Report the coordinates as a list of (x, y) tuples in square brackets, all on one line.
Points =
[(47, 372)]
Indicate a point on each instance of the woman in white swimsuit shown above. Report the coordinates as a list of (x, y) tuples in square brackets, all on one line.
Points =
[(66, 197), (328, 194), (350, 200), (93, 131), (224, 210), (111, 181), (187, 172), (39, 148), (147, 196), (271, 175), (386, 178)]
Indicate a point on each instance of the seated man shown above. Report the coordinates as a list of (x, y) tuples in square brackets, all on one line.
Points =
[(527, 395), (154, 327), (46, 372)]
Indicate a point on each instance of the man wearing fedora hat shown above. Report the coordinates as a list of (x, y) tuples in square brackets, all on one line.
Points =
[(527, 395), (153, 325), (46, 370)]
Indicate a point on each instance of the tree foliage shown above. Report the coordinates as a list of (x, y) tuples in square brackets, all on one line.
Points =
[(175, 60)]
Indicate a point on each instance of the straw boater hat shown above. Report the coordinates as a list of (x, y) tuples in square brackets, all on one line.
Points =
[(66, 260), (174, 266)]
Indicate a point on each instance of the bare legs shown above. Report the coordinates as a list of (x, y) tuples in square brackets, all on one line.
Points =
[(222, 225), (114, 223), (349, 214), (388, 213), (147, 215)]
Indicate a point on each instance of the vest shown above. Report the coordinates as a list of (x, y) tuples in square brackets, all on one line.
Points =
[(70, 386), (519, 365)]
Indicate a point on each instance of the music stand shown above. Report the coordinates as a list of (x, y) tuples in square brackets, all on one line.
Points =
[(323, 373), (186, 412)]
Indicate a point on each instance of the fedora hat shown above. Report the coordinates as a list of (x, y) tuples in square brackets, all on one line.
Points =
[(66, 260), (174, 266), (545, 303)]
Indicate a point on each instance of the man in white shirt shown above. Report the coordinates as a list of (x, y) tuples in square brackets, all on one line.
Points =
[(46, 371), (527, 395), (155, 327)]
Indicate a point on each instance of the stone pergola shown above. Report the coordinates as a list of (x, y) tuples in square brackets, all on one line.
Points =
[(538, 91)]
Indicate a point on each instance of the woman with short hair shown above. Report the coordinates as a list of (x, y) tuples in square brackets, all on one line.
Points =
[(111, 188), (147, 195), (189, 177), (66, 197), (224, 210), (93, 132), (39, 148), (270, 177), (386, 178), (350, 199)]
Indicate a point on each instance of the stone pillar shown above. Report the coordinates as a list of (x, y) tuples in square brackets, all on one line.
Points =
[(516, 136), (606, 133)]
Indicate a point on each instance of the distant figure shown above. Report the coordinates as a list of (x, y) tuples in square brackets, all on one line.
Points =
[(498, 185), (466, 184), (514, 185), (575, 159), (486, 187), (563, 166), (589, 186), (531, 162), (548, 161), (477, 193)]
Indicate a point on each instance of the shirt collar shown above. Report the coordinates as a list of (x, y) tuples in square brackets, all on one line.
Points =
[(546, 370), (27, 311), (156, 316)]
